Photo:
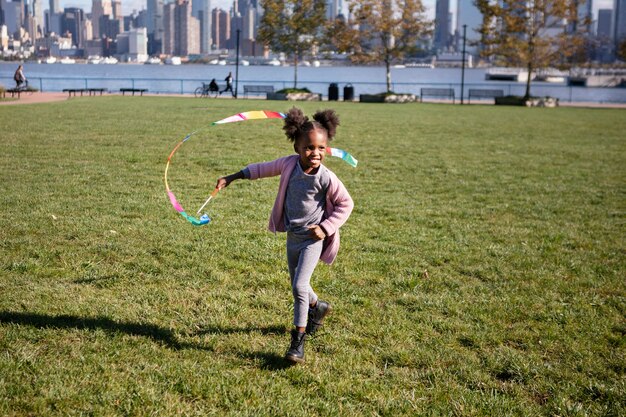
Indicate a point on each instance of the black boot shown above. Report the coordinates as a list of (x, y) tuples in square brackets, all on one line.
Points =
[(316, 316), (296, 350)]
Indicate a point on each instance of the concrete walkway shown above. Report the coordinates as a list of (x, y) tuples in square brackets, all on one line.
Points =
[(30, 98)]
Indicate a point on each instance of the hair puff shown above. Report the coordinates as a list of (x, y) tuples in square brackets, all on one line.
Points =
[(329, 121), (294, 123)]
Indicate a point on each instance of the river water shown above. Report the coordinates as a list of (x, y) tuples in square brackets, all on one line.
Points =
[(183, 79)]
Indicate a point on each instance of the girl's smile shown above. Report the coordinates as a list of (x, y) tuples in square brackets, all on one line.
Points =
[(311, 149)]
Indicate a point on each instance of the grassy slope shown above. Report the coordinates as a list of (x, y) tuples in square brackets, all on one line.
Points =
[(112, 304)]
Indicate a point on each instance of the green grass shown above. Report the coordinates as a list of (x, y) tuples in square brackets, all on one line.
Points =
[(481, 272)]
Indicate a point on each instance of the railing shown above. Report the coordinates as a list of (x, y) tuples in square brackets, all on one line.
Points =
[(187, 86)]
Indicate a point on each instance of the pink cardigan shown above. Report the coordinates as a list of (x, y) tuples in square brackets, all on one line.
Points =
[(339, 204)]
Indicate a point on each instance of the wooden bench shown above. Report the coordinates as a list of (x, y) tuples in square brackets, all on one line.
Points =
[(71, 91), (437, 92), (257, 89), (133, 90), (95, 91), (482, 93)]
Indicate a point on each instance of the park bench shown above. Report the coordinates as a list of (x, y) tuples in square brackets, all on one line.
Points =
[(482, 93), (13, 92), (257, 89), (71, 91), (133, 90), (437, 92), (95, 91)]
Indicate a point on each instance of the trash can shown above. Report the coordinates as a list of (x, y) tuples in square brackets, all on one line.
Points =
[(348, 92), (333, 92)]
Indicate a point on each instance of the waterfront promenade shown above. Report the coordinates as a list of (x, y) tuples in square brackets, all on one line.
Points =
[(47, 97)]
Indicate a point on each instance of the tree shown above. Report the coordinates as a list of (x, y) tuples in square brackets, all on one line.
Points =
[(292, 27), (532, 34), (380, 31)]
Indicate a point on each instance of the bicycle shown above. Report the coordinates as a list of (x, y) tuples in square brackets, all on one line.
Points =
[(206, 91)]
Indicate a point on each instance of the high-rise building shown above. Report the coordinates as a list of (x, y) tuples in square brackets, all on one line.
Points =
[(72, 22), (221, 28), (619, 22), (442, 24), (13, 16), (54, 6), (181, 31), (38, 15), (169, 28), (205, 20), (154, 26), (605, 23), (99, 8), (468, 14)]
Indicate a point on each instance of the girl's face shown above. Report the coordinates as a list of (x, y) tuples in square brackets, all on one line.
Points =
[(311, 149)]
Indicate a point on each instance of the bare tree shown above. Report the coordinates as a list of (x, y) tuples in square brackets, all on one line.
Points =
[(292, 27), (380, 31)]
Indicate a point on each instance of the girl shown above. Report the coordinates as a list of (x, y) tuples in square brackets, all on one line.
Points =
[(311, 205)]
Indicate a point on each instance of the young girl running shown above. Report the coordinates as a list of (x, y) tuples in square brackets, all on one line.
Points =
[(311, 205)]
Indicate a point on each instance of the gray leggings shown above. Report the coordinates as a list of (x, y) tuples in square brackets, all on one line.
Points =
[(302, 256)]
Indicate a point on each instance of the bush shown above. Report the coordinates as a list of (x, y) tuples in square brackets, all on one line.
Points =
[(293, 90)]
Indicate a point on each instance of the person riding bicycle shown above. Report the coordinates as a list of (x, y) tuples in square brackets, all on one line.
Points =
[(213, 85), (20, 79)]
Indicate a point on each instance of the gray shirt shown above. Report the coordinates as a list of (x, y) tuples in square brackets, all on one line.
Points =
[(305, 200)]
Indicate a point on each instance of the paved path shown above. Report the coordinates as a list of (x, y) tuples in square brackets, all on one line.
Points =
[(51, 97), (35, 98)]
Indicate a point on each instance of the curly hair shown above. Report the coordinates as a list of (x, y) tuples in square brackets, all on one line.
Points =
[(298, 125)]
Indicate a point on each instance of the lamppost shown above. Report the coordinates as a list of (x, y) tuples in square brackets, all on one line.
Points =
[(237, 67), (463, 65)]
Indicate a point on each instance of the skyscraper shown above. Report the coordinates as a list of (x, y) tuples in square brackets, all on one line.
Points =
[(619, 23), (468, 14), (605, 23), (72, 22), (204, 18), (154, 26), (442, 24), (99, 8)]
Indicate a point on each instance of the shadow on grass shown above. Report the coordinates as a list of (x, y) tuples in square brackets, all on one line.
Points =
[(154, 332), (269, 361), (267, 330)]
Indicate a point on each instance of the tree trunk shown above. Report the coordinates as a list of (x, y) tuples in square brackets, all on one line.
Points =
[(295, 70), (388, 67), (530, 69)]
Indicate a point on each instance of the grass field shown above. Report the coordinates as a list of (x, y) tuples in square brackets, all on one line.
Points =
[(481, 272)]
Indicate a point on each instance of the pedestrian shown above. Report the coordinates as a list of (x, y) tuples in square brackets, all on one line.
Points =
[(311, 205), (20, 79), (213, 85), (229, 84)]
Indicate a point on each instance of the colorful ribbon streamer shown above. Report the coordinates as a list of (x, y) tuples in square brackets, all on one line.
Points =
[(240, 117)]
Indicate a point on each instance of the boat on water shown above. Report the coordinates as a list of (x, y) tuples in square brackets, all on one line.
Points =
[(273, 62), (506, 74), (67, 60), (316, 63), (109, 60), (153, 60), (174, 60), (50, 60), (95, 59), (551, 75)]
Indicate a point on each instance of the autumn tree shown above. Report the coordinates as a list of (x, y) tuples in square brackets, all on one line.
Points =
[(380, 31), (292, 27), (532, 34)]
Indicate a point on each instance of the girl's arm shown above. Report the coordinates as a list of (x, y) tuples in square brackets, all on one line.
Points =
[(225, 181), (342, 207)]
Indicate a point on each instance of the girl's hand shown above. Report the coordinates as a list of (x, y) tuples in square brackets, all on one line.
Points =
[(222, 183), (316, 232)]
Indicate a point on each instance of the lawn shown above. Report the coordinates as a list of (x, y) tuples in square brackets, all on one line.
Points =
[(481, 272)]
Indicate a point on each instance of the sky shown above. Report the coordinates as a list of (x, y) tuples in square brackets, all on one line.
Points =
[(129, 5)]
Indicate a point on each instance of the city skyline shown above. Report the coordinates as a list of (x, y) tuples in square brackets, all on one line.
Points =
[(128, 6)]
